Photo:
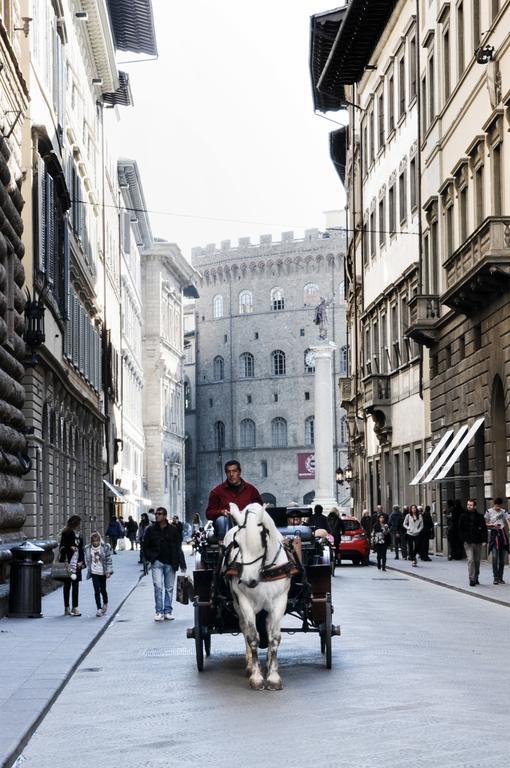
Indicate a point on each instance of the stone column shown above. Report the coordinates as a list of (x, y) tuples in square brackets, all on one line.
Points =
[(324, 426)]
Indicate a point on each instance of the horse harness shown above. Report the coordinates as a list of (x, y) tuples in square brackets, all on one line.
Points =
[(268, 571)]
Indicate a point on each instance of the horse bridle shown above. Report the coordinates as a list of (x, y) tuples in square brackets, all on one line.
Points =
[(264, 533)]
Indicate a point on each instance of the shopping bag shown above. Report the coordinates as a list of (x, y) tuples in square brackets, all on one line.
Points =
[(60, 571), (183, 589)]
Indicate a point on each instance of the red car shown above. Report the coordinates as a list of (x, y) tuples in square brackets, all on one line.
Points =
[(354, 545)]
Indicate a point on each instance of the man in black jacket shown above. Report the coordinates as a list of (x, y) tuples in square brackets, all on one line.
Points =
[(162, 547), (473, 532)]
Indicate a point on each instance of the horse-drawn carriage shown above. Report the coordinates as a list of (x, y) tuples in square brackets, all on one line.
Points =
[(228, 576)]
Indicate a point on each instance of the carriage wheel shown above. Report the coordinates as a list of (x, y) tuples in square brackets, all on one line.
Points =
[(207, 644), (333, 563), (199, 640), (326, 637)]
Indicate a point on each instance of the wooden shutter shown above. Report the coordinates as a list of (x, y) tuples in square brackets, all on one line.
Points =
[(42, 210), (51, 230)]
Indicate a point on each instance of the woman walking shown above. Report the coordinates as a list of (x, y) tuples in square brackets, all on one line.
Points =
[(381, 537), (71, 544), (98, 559), (142, 528), (413, 525)]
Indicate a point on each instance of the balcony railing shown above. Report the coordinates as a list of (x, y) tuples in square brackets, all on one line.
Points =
[(479, 270), (423, 317)]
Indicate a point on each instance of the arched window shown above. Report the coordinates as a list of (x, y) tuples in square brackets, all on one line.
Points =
[(245, 302), (344, 433), (310, 430), (247, 433), (277, 299), (219, 435), (343, 361), (246, 366), (311, 295), (187, 396), (218, 368), (279, 433), (218, 306), (278, 367)]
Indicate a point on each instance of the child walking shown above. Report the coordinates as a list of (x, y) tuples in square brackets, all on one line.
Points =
[(98, 559)]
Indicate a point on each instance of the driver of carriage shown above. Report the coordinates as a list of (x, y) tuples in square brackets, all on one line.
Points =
[(235, 490)]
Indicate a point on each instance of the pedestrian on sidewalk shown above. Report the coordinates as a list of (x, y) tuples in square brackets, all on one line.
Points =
[(366, 522), (496, 519), (473, 532), (142, 528), (413, 524), (71, 543), (162, 547), (98, 559), (395, 523), (403, 533), (453, 512), (380, 540), (427, 534), (131, 531), (114, 532)]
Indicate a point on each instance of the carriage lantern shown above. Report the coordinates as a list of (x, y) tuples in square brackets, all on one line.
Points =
[(34, 321)]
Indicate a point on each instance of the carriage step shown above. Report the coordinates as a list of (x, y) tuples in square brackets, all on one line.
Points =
[(190, 633), (335, 630)]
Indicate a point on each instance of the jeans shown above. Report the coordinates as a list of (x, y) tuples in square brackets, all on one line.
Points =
[(99, 584), (413, 545), (474, 554), (71, 587), (395, 541), (113, 542), (498, 561), (221, 525), (163, 578)]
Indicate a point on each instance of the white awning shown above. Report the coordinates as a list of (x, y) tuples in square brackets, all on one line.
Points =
[(445, 454), (114, 490)]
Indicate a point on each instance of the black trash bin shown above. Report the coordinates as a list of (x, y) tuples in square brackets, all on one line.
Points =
[(25, 581)]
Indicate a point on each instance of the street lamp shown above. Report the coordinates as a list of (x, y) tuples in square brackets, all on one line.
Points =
[(348, 474), (340, 476)]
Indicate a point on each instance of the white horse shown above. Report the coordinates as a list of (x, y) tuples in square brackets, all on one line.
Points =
[(259, 570)]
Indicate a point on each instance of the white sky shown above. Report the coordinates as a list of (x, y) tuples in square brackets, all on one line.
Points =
[(223, 123)]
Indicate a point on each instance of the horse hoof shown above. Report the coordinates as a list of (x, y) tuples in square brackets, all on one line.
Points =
[(274, 685), (257, 683)]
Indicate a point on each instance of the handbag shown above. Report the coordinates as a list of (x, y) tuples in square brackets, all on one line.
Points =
[(183, 589), (60, 571)]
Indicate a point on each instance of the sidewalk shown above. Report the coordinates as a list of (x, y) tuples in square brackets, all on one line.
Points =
[(39, 655), (453, 574)]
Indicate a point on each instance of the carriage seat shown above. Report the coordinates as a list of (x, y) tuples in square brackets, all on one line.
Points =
[(304, 531)]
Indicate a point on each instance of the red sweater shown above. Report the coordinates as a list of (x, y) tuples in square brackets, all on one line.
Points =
[(221, 496)]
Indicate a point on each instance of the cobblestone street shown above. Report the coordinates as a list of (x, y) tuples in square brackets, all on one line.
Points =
[(414, 680)]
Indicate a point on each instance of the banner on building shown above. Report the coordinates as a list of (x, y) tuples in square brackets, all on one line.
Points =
[(306, 466)]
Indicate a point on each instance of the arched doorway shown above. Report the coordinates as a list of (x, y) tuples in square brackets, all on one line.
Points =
[(498, 429)]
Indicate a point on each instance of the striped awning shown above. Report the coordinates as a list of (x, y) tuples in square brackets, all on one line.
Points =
[(445, 454)]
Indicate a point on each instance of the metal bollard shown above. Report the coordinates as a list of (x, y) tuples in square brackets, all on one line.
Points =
[(25, 582)]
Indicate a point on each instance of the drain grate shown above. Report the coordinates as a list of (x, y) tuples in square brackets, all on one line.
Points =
[(91, 669), (121, 621), (161, 653), (389, 578)]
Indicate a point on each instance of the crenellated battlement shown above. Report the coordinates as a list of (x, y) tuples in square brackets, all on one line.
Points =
[(313, 238)]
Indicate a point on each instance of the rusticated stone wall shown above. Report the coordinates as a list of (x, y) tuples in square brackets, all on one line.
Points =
[(12, 352)]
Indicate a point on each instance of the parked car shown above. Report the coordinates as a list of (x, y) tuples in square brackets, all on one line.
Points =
[(354, 545)]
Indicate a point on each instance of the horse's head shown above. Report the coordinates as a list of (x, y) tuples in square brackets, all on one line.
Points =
[(252, 514)]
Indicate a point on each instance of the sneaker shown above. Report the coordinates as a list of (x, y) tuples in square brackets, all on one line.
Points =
[(502, 581), (158, 617), (99, 612), (496, 581), (75, 612), (67, 611), (472, 583), (169, 617), (104, 608)]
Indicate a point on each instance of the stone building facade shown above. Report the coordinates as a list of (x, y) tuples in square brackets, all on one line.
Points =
[(166, 278), (254, 396), (465, 76), (13, 191), (384, 392), (454, 60)]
